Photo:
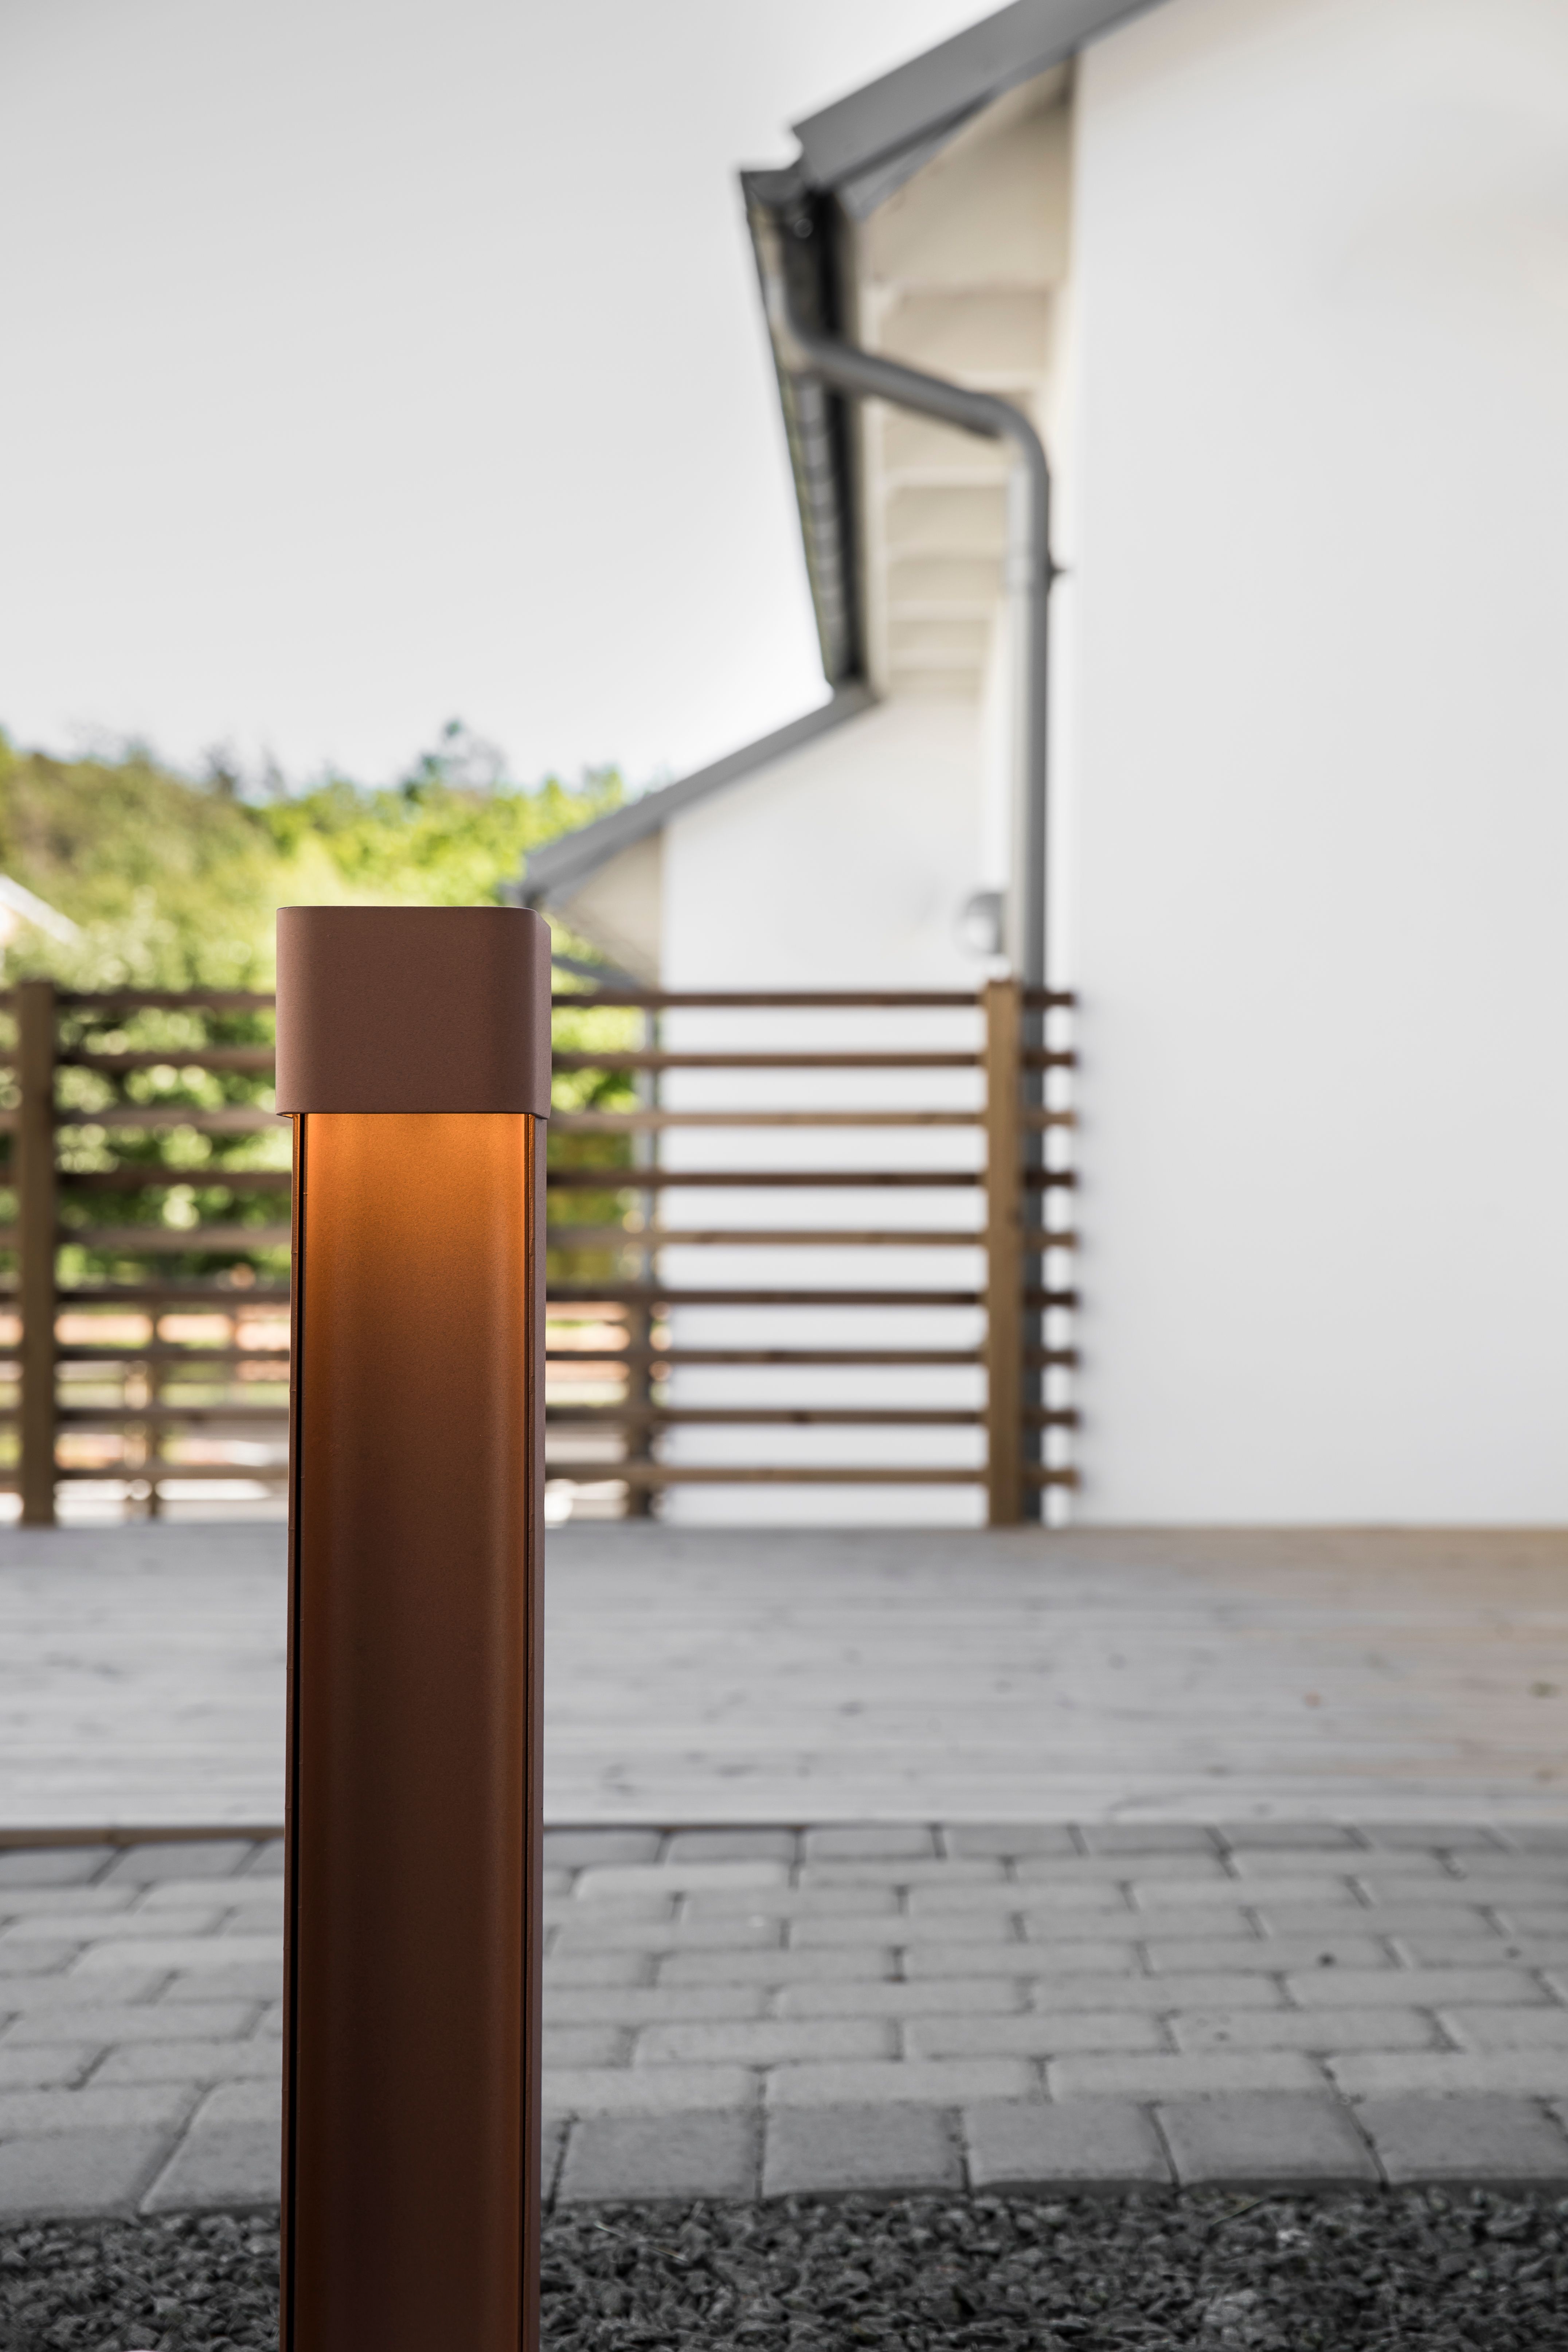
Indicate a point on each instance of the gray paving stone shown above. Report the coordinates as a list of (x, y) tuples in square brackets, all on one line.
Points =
[(552, 2133), (556, 1882), (1161, 2074), (243, 1980), (221, 1896), (1351, 1988), (1321, 1893), (677, 1878), (1070, 1899), (1310, 2029), (870, 1841), (1520, 2073), (1017, 1959), (1548, 1837), (242, 2103), (932, 2082), (1507, 2029), (133, 2021), (703, 2153), (266, 1860), (129, 1930), (71, 1865), (189, 1952), (47, 2065), (977, 1871), (1147, 1837), (1171, 1922), (139, 1866), (190, 2062), (1445, 1894), (901, 1929), (582, 1969), (217, 2165), (892, 2149), (651, 2004), (1266, 2143), (732, 1845), (161, 2106), (23, 1997), (1385, 1919), (621, 1935), (767, 2042), (583, 2046), (1447, 1837), (1276, 1955), (971, 1841), (1489, 1946), (582, 1849), (1105, 2143), (27, 1902), (1300, 1836), (646, 2090), (29, 1958), (1184, 1866), (1154, 1995), (927, 1997), (795, 1902), (777, 1968), (1032, 2036), (80, 2172), (1497, 2143)]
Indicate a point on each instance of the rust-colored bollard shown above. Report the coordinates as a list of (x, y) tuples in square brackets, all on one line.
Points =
[(413, 1051)]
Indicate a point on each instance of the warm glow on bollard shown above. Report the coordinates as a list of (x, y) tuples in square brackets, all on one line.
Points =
[(413, 1049)]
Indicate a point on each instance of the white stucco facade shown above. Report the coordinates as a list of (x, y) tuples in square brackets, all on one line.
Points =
[(1315, 804), (842, 866)]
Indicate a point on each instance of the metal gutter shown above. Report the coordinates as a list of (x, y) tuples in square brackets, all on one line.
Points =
[(788, 238)]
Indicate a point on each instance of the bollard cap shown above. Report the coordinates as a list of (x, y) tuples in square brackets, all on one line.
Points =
[(413, 1009)]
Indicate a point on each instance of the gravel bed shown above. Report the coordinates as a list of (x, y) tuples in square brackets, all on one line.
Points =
[(1387, 2272)]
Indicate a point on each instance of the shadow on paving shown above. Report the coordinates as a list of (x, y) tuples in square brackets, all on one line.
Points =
[(1382, 2273)]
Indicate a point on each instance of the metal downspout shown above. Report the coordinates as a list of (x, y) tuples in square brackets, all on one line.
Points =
[(805, 351)]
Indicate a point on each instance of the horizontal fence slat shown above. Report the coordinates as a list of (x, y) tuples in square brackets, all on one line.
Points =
[(649, 1122), (658, 1180), (656, 999), (659, 1061), (157, 1118), (673, 1358), (644, 1294), (177, 999), (255, 1059), (223, 1298), (646, 1237), (172, 1416), (212, 1178), (658, 1474), (168, 1353), (654, 1417), (173, 1240), (159, 1473)]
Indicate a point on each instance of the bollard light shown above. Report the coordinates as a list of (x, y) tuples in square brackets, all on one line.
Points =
[(414, 1053)]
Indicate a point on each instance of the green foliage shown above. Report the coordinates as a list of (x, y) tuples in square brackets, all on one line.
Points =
[(175, 884)]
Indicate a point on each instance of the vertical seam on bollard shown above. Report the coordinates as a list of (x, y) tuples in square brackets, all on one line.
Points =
[(291, 1847)]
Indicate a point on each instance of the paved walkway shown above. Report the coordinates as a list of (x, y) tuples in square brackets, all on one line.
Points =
[(774, 2010), (714, 1676)]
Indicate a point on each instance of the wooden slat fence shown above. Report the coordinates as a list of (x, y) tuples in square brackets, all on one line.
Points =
[(143, 1228)]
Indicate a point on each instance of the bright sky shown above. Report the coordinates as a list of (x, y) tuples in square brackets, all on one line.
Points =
[(370, 362)]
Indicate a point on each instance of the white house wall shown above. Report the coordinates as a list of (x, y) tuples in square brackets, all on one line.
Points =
[(844, 866), (1319, 534)]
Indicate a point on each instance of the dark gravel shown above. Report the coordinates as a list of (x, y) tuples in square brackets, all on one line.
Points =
[(1416, 2271)]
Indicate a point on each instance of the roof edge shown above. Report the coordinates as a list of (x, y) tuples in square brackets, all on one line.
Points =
[(560, 866)]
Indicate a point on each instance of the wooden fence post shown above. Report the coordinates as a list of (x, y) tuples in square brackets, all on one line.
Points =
[(1004, 1255), (36, 1219)]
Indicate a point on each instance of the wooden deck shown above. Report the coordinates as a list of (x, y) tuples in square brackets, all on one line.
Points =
[(711, 1675)]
